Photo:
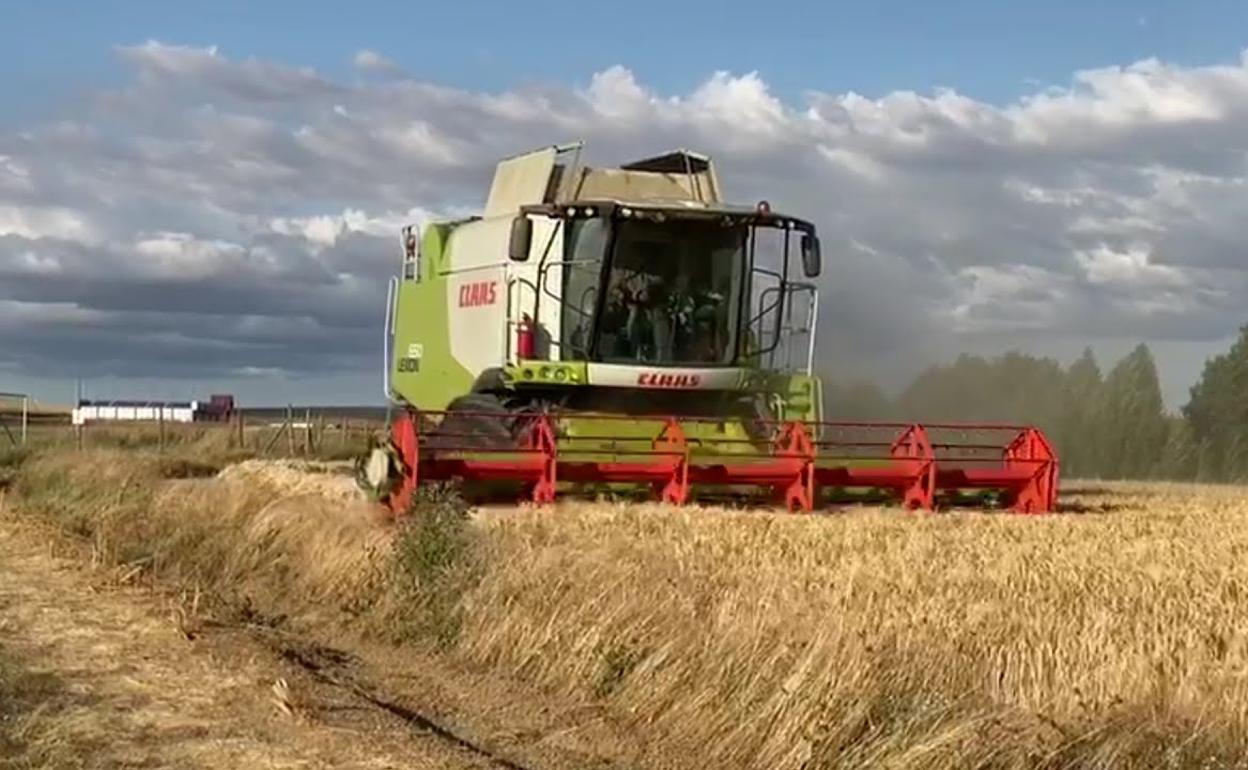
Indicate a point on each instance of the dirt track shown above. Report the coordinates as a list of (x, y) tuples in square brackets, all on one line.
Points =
[(132, 690)]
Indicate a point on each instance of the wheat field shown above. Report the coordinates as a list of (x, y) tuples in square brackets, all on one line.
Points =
[(1110, 635), (877, 638)]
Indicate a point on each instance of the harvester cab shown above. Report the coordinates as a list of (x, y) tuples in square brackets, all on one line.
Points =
[(579, 285), (619, 326)]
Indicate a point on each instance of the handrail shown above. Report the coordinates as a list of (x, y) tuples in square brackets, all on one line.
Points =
[(542, 282), (475, 268), (387, 332), (796, 288), (813, 324), (775, 339), (786, 290)]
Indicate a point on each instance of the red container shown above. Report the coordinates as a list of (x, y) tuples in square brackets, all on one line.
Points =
[(525, 338)]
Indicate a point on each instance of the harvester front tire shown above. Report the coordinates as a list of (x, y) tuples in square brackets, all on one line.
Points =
[(475, 421)]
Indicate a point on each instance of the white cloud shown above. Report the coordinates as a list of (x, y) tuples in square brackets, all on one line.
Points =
[(17, 314), (615, 93), (182, 256), (371, 61), (1131, 267), (860, 165), (43, 221), (254, 80), (324, 230), (209, 185), (1008, 298), (743, 102)]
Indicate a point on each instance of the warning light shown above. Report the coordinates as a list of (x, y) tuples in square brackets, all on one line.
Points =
[(764, 208)]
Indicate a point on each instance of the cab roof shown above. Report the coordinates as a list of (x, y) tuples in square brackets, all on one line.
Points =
[(760, 214)]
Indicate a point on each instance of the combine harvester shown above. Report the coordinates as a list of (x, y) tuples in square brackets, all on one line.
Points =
[(624, 328)]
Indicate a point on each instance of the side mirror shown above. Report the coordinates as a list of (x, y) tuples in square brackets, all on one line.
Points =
[(411, 242), (812, 260), (411, 253), (521, 238)]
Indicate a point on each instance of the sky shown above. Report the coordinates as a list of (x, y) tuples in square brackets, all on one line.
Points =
[(204, 197)]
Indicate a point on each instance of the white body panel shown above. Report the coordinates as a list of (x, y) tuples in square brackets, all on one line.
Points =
[(489, 294), (663, 377), (477, 293)]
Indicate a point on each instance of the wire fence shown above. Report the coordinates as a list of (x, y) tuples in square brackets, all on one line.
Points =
[(292, 432), (15, 408)]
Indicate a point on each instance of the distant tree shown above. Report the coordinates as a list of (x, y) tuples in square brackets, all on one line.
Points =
[(1181, 456), (1217, 413), (948, 393), (1131, 418), (1077, 431), (1011, 388), (1114, 425), (857, 401)]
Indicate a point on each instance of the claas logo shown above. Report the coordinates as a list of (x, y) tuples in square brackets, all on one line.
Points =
[(478, 293), (661, 380)]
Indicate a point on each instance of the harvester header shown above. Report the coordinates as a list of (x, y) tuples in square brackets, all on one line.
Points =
[(626, 328)]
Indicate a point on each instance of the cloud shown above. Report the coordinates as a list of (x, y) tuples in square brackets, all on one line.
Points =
[(374, 63), (222, 215), (162, 66)]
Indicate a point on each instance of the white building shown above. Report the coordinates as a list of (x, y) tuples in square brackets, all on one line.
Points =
[(135, 411)]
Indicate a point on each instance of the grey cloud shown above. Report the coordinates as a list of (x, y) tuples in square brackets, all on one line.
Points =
[(217, 214), (159, 64)]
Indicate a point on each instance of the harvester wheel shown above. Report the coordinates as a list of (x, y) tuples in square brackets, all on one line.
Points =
[(475, 421)]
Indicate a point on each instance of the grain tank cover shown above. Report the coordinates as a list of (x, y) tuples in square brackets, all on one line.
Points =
[(521, 180), (675, 176), (678, 162), (556, 174)]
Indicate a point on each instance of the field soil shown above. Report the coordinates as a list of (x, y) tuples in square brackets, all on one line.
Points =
[(123, 686), (96, 673)]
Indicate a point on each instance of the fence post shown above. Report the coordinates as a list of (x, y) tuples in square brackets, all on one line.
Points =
[(307, 431), (290, 431), (25, 417), (78, 436), (242, 432), (160, 424), (342, 434)]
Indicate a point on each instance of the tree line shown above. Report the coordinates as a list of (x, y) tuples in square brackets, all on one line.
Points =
[(1104, 424)]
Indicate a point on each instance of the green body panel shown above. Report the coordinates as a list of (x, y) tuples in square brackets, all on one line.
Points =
[(799, 396), (600, 437), (432, 377), (604, 436), (546, 373)]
